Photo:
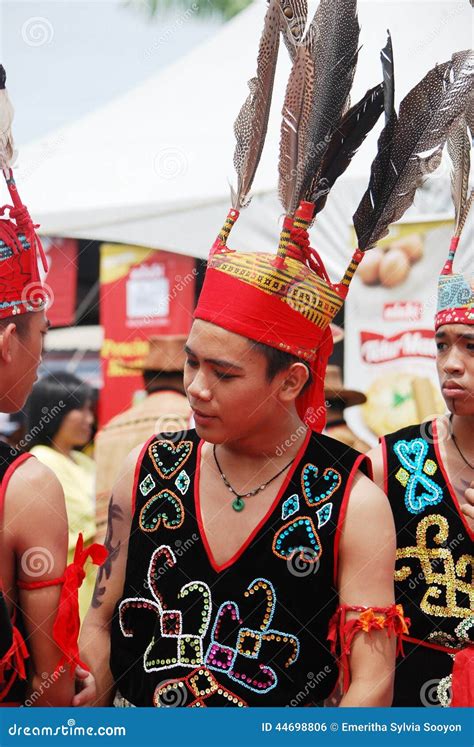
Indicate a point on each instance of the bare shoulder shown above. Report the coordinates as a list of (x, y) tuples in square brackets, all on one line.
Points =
[(33, 485), (35, 513), (369, 516)]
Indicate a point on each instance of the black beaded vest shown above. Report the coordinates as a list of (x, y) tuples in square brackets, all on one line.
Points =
[(434, 567), (252, 632)]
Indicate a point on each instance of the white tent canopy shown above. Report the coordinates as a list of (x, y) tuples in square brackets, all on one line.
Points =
[(153, 167)]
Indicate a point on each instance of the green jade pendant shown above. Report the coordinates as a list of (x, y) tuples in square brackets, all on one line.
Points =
[(238, 504)]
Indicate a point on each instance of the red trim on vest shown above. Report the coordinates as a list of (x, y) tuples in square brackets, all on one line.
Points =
[(342, 513), (275, 502), (463, 678)]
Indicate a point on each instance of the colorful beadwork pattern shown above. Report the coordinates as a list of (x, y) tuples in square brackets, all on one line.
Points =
[(318, 488), (290, 506), (168, 457), (444, 578), (324, 514), (166, 508), (415, 473), (194, 690), (147, 485), (235, 650), (175, 646), (298, 536), (183, 482)]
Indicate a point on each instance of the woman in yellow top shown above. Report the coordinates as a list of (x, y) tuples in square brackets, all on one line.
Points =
[(60, 420)]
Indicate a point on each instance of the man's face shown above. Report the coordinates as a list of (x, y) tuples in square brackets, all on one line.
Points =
[(455, 362), (20, 359), (226, 384)]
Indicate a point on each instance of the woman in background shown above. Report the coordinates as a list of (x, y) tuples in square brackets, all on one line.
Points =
[(60, 420)]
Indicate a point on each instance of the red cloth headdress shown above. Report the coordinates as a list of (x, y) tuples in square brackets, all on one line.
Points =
[(21, 289), (286, 301)]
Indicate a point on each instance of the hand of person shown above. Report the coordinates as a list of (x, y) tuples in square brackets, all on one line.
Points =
[(468, 507), (86, 691)]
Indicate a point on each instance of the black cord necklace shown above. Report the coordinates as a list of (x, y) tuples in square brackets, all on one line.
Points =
[(471, 466), (239, 503)]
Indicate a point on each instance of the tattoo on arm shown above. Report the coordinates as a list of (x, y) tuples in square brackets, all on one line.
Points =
[(115, 513)]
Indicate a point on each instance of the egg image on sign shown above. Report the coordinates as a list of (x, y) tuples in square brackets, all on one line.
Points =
[(391, 264)]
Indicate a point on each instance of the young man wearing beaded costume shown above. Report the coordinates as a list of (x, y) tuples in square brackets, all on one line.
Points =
[(40, 592), (427, 471)]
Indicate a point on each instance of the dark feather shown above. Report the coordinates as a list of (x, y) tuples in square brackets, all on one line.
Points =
[(346, 140), (425, 117), (332, 40), (250, 127)]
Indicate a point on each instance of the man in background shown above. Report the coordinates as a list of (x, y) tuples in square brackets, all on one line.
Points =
[(164, 409)]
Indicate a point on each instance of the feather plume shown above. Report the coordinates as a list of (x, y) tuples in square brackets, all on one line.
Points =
[(293, 24), (294, 130), (332, 40), (425, 117), (346, 140), (459, 149), (251, 124), (7, 148)]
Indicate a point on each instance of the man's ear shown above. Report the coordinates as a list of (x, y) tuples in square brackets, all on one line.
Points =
[(6, 342), (295, 378)]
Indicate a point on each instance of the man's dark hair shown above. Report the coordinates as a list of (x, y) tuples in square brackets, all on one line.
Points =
[(21, 322), (156, 380), (52, 398), (278, 360)]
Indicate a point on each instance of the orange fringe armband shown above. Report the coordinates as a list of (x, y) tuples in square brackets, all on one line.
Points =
[(342, 632)]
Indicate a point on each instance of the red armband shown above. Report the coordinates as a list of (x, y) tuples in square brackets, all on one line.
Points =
[(67, 623), (341, 631)]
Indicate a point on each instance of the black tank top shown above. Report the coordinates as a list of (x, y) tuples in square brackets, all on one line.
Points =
[(252, 632), (434, 568)]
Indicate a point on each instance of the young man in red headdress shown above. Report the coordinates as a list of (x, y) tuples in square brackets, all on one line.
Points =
[(246, 557), (39, 592), (427, 471)]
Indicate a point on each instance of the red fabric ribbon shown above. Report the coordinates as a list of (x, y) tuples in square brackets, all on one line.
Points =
[(67, 624), (342, 632), (463, 678), (13, 660)]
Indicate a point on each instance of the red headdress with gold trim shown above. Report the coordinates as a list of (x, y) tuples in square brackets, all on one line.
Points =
[(21, 289), (287, 300)]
